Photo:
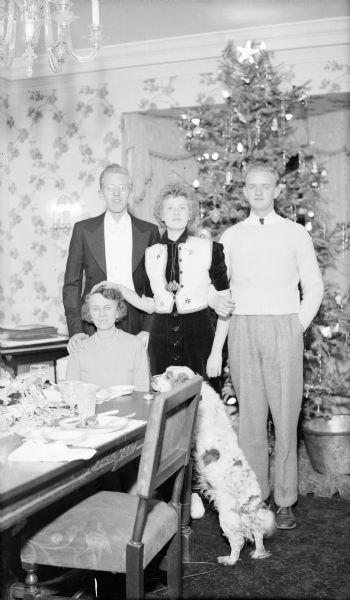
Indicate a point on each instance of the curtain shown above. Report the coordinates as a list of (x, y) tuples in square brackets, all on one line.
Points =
[(153, 151)]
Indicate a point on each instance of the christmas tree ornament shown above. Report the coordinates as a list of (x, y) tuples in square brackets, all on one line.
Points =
[(240, 147), (326, 331), (257, 130), (246, 53), (283, 116), (324, 172), (199, 131), (240, 116), (214, 214), (314, 168), (204, 232), (345, 239), (215, 156), (195, 184), (293, 212), (226, 94), (274, 125), (339, 300), (301, 162), (228, 178)]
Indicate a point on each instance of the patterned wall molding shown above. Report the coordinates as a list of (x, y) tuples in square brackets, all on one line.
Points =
[(298, 44)]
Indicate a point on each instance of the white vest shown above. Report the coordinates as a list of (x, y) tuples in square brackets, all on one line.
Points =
[(195, 256)]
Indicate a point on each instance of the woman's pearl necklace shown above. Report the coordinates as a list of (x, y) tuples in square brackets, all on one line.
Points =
[(108, 342)]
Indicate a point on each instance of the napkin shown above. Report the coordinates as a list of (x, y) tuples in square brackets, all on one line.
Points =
[(38, 451)]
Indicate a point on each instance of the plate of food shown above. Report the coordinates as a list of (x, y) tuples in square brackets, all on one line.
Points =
[(97, 424), (120, 390)]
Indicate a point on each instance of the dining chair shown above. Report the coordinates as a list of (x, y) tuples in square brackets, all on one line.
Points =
[(119, 532)]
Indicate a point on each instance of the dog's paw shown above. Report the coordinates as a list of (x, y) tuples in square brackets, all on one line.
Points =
[(259, 554), (197, 506), (227, 561)]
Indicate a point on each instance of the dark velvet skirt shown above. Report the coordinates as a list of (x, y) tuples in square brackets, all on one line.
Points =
[(177, 339)]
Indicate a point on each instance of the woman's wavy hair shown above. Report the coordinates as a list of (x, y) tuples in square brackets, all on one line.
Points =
[(108, 291), (177, 190)]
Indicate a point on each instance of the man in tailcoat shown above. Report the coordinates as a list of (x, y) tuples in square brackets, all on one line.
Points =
[(109, 247)]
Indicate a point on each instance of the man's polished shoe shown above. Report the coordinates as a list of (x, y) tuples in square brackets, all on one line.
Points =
[(285, 518)]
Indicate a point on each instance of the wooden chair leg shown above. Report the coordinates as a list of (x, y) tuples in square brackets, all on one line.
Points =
[(187, 531), (134, 572), (174, 562), (31, 589)]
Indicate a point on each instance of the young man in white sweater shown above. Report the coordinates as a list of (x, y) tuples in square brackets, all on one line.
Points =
[(268, 257)]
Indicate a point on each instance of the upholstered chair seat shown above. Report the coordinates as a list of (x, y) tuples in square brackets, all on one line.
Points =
[(94, 534)]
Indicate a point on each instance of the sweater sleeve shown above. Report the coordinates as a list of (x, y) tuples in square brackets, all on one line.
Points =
[(73, 368), (311, 283), (141, 378)]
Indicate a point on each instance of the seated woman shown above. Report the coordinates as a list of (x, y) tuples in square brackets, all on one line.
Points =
[(110, 356)]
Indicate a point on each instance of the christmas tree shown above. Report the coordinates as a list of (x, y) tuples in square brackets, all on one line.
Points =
[(255, 121)]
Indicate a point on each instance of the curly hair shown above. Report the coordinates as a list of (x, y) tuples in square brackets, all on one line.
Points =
[(176, 190), (108, 291)]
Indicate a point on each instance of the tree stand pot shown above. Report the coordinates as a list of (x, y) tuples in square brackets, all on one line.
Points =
[(328, 443)]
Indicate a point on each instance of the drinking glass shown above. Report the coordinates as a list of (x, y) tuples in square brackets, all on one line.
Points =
[(70, 393), (87, 400)]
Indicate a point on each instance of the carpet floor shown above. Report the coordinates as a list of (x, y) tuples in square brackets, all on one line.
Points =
[(309, 562)]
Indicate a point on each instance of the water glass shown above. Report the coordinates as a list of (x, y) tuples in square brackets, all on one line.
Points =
[(70, 393), (87, 400)]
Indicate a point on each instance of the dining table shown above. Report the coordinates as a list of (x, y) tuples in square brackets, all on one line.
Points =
[(27, 487)]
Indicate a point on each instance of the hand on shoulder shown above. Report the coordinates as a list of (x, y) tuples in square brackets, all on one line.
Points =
[(77, 342)]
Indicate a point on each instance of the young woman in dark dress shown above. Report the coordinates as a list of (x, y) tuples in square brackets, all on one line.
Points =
[(187, 274)]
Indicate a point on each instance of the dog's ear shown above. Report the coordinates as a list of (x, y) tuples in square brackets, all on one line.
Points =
[(182, 377)]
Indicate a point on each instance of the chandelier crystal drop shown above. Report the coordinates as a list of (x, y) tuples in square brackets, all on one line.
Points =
[(25, 19)]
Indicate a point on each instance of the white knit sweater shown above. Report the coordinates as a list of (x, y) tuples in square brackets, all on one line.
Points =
[(266, 263)]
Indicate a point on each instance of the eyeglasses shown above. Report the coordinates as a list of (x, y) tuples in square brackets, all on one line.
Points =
[(111, 189)]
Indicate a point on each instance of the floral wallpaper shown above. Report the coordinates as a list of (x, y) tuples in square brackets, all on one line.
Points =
[(57, 140)]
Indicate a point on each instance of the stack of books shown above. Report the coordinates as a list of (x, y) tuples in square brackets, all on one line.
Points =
[(27, 332)]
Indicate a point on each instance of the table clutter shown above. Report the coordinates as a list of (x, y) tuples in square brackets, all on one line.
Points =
[(57, 422)]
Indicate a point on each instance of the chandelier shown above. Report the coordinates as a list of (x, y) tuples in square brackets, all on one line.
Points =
[(26, 17)]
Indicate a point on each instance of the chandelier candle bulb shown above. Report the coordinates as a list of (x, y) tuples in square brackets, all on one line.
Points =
[(95, 8)]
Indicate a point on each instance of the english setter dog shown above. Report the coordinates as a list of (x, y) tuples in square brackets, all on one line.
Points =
[(224, 476)]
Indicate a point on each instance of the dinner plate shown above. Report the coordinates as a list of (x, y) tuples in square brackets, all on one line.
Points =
[(121, 390), (68, 436), (102, 424), (103, 395), (109, 423)]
